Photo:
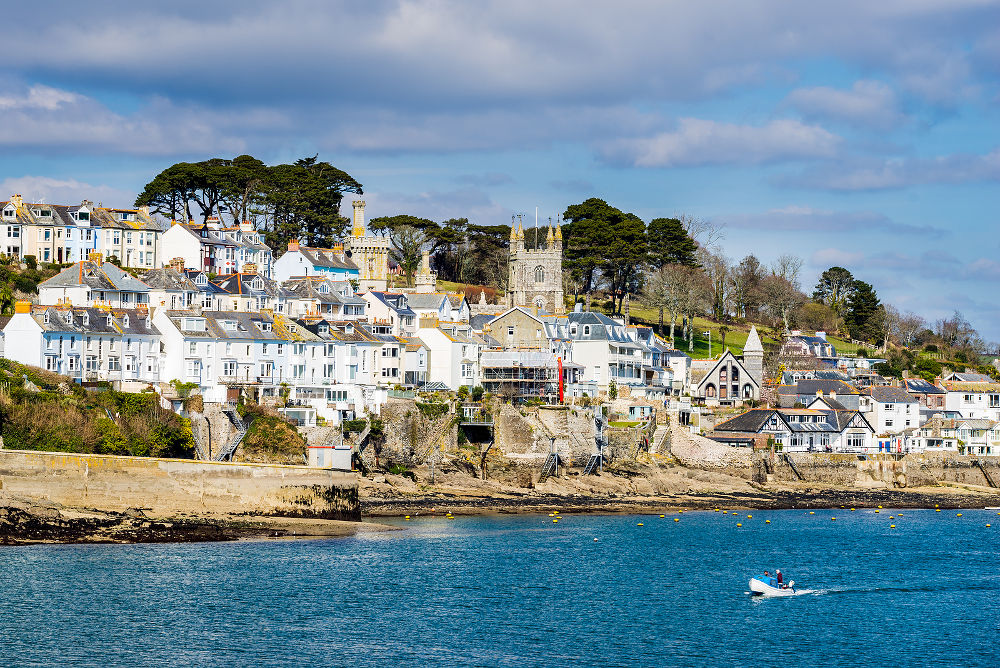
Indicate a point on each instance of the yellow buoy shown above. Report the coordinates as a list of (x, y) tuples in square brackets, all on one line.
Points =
[(852, 510), (880, 506), (767, 521), (554, 521), (749, 517), (811, 512), (892, 526), (958, 515), (988, 526), (937, 510), (833, 519), (877, 510), (677, 519), (716, 510), (891, 517), (407, 517), (640, 524), (738, 524), (662, 515), (935, 505)]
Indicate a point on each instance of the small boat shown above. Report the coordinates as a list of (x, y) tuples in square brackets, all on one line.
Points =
[(763, 587)]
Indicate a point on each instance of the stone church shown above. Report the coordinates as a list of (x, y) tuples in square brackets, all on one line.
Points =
[(534, 276), (369, 252)]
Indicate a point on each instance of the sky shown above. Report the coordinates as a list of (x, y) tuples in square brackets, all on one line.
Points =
[(862, 134)]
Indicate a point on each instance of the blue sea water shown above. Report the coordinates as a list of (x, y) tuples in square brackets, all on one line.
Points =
[(524, 591)]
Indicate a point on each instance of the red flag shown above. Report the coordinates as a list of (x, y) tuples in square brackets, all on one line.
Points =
[(560, 380)]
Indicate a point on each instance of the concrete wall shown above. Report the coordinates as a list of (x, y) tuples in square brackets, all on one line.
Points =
[(178, 486)]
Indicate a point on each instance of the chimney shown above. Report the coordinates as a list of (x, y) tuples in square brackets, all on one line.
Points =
[(833, 395), (937, 381), (144, 211), (819, 393), (906, 374), (96, 258), (177, 264), (22, 307), (293, 245), (250, 268), (17, 201)]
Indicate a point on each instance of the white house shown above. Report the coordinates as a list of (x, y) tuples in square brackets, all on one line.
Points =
[(301, 260), (392, 309), (86, 343), (454, 353), (803, 429), (972, 399), (892, 409)]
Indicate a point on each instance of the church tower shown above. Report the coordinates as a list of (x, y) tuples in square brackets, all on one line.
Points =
[(753, 356), (535, 274)]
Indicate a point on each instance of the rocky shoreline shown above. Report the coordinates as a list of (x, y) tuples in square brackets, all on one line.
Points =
[(29, 523)]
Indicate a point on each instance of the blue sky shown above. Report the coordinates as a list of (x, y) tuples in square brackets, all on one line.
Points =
[(854, 133)]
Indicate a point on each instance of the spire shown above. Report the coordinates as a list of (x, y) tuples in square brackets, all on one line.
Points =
[(513, 229), (753, 344), (358, 229)]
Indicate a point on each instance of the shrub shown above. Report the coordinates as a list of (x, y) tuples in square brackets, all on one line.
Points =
[(432, 410), (31, 261), (477, 393)]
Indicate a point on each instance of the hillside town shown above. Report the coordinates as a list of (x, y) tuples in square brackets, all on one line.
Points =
[(326, 336)]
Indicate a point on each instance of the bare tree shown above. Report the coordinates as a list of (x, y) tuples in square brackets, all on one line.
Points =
[(781, 297), (707, 233), (910, 324), (788, 267)]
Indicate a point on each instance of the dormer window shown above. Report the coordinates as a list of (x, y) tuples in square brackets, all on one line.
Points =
[(8, 213), (200, 279), (323, 329), (46, 318), (86, 319), (125, 321), (111, 321), (257, 284), (291, 328)]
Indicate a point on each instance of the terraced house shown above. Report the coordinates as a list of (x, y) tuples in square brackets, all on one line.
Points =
[(62, 233), (86, 343)]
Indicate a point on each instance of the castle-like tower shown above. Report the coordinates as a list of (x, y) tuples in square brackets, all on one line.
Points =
[(753, 356), (369, 253), (534, 276)]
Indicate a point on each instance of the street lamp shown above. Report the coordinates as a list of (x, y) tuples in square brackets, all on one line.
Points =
[(708, 333)]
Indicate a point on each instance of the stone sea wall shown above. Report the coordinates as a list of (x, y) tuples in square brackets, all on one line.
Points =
[(178, 486), (913, 470)]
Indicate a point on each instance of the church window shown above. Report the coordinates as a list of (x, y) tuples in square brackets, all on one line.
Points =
[(586, 330), (539, 274)]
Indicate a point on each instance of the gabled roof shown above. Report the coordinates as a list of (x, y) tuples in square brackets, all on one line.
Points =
[(96, 276), (810, 386), (327, 257), (752, 421), (889, 394), (967, 377)]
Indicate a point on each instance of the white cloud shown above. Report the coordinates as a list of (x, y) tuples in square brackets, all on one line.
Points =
[(38, 97), (705, 142), (867, 103), (820, 221), (835, 257), (890, 173), (42, 189)]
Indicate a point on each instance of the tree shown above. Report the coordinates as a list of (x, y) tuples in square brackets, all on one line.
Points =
[(834, 288), (717, 270), (602, 241), (781, 297), (863, 313), (243, 189), (746, 279), (302, 202), (172, 191), (669, 243)]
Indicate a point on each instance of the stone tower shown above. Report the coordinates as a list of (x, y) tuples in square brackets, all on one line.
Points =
[(534, 276), (426, 279), (753, 356), (369, 253)]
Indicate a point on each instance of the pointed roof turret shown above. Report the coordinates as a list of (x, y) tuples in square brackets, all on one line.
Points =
[(753, 343), (558, 232)]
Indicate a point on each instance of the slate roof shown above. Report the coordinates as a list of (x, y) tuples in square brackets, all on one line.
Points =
[(921, 386), (969, 377), (97, 276), (890, 394), (752, 421), (811, 386), (327, 257), (425, 300), (94, 320)]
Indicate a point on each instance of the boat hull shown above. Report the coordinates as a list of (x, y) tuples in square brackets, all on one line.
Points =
[(761, 588)]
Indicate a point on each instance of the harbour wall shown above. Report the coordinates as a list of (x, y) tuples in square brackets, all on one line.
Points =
[(167, 487), (884, 470)]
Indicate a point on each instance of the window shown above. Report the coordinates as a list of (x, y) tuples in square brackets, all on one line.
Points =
[(50, 363), (114, 364), (229, 368), (888, 423), (92, 364), (116, 238), (192, 348), (14, 232), (266, 369), (586, 330), (539, 274), (193, 368)]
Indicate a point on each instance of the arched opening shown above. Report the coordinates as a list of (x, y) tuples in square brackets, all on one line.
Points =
[(748, 391), (539, 274), (539, 301), (710, 391)]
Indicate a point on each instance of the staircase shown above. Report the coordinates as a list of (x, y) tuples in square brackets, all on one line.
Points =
[(550, 466), (225, 454), (593, 465), (659, 436), (791, 464), (986, 474)]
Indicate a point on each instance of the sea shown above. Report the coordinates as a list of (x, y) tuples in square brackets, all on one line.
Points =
[(910, 588)]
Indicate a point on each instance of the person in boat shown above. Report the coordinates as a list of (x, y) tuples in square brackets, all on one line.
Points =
[(777, 575), (768, 579)]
